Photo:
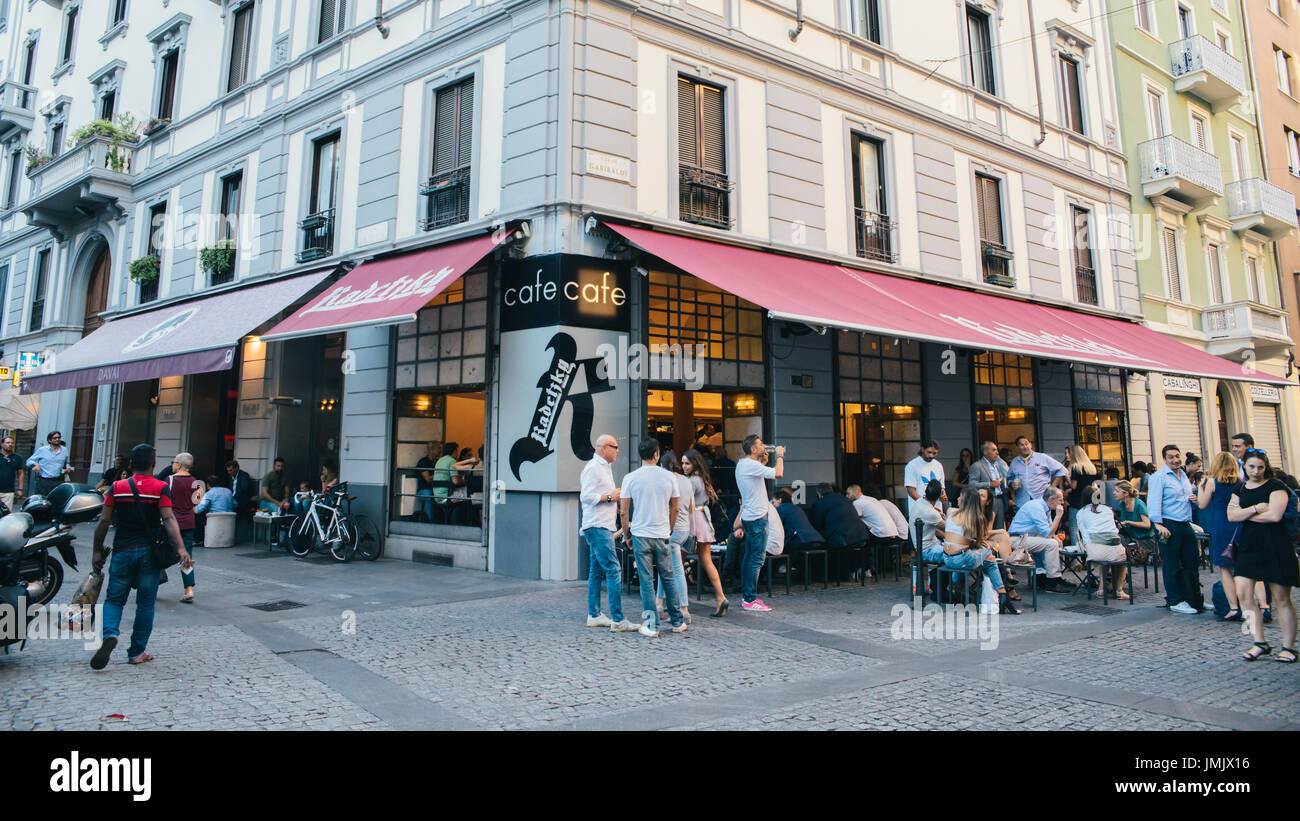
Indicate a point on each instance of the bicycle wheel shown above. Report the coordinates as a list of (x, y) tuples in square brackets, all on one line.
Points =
[(302, 536), (370, 541), (344, 543)]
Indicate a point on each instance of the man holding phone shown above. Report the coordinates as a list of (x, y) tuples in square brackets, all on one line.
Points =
[(752, 474)]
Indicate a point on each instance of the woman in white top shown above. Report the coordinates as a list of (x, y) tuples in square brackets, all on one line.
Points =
[(965, 544), (1100, 536), (680, 539), (696, 469)]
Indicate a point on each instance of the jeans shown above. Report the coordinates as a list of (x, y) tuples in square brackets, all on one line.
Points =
[(1181, 559), (970, 559), (603, 566), (187, 576), (131, 567), (651, 554), (755, 553), (678, 543), (424, 501)]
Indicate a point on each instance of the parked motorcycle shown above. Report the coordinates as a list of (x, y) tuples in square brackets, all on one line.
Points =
[(29, 575)]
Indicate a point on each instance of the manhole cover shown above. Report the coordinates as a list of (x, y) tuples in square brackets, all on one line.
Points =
[(272, 606), (260, 554), (1093, 610)]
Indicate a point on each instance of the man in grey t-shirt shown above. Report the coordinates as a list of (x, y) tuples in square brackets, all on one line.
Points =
[(653, 495), (752, 474)]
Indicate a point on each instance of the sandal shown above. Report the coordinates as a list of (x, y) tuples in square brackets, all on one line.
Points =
[(1261, 648), (1229, 616), (1121, 595), (1013, 595), (140, 659), (188, 598), (1290, 651)]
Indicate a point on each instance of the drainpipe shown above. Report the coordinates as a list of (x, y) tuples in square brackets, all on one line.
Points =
[(379, 19), (798, 18), (1038, 86)]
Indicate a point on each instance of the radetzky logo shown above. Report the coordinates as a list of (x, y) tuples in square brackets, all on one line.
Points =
[(128, 775), (164, 328), (344, 296)]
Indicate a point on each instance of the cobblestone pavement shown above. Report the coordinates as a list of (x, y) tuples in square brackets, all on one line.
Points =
[(396, 645)]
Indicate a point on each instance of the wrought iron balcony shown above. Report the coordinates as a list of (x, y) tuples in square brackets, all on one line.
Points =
[(1085, 284), (875, 235), (317, 235), (84, 180), (1202, 68), (997, 263), (17, 106), (704, 197), (446, 199), (1257, 205), (37, 318), (1235, 327), (1169, 166)]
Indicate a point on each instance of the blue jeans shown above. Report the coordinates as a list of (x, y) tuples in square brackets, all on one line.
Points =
[(755, 553), (651, 554), (424, 501), (187, 576), (131, 567), (677, 543), (603, 566), (970, 559), (269, 507)]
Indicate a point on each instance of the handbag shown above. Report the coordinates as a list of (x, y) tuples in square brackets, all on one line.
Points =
[(162, 553), (1230, 549), (1138, 552)]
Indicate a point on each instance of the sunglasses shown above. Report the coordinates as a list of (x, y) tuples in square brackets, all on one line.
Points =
[(1257, 450)]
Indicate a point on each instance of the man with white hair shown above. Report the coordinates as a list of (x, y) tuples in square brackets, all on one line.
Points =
[(599, 497), (1032, 529)]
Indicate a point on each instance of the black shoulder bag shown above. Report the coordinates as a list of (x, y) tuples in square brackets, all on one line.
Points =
[(161, 551)]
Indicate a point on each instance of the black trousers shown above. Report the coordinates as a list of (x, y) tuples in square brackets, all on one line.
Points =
[(1181, 558)]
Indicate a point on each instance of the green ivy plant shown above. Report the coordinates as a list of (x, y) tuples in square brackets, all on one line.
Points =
[(36, 157), (218, 259), (144, 269), (121, 130)]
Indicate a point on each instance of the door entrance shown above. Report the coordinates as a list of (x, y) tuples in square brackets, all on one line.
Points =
[(214, 399), (308, 433), (82, 444)]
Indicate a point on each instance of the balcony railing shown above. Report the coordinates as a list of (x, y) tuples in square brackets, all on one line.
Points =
[(148, 291), (317, 235), (1171, 166), (1260, 205), (17, 105), (1242, 325), (704, 197), (1202, 68), (446, 199), (875, 236), (37, 318), (1085, 284), (997, 263)]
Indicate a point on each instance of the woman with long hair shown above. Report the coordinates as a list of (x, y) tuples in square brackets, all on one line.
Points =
[(961, 475), (1213, 493), (965, 545), (680, 538), (1083, 476), (1265, 552), (696, 469), (999, 542)]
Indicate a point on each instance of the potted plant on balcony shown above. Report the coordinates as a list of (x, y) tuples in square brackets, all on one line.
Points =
[(121, 131), (217, 260), (155, 125), (36, 157), (144, 269)]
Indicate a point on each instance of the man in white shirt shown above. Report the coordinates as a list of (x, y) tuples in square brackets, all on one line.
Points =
[(900, 521), (653, 495), (919, 472), (599, 497), (873, 513), (752, 474)]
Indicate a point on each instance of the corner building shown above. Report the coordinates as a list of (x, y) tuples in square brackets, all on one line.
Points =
[(449, 221)]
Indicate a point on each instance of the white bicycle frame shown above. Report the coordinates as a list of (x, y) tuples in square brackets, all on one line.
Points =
[(314, 518)]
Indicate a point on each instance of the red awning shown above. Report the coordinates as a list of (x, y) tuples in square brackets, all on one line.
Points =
[(386, 291), (820, 293)]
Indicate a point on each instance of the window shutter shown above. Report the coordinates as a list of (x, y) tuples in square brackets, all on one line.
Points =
[(713, 132), (990, 210), (465, 99), (445, 116), (1070, 90), (1216, 277), (1169, 243), (1198, 133), (239, 47), (327, 21), (1082, 238), (687, 130)]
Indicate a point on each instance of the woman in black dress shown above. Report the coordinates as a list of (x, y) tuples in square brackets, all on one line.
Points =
[(1265, 553)]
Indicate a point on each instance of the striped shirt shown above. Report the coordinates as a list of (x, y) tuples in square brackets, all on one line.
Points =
[(134, 521)]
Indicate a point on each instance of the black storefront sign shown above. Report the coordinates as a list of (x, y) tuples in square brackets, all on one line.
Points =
[(565, 290)]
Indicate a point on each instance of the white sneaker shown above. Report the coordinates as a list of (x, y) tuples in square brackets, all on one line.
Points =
[(624, 626), (681, 628), (1184, 608), (599, 621), (647, 630)]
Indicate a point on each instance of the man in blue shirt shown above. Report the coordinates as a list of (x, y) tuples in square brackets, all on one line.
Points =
[(1032, 529), (799, 532), (1031, 473), (51, 463), (1169, 506)]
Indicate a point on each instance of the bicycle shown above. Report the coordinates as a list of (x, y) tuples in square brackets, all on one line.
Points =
[(330, 526)]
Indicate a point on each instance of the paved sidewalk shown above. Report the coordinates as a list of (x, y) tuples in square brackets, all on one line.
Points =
[(398, 645)]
